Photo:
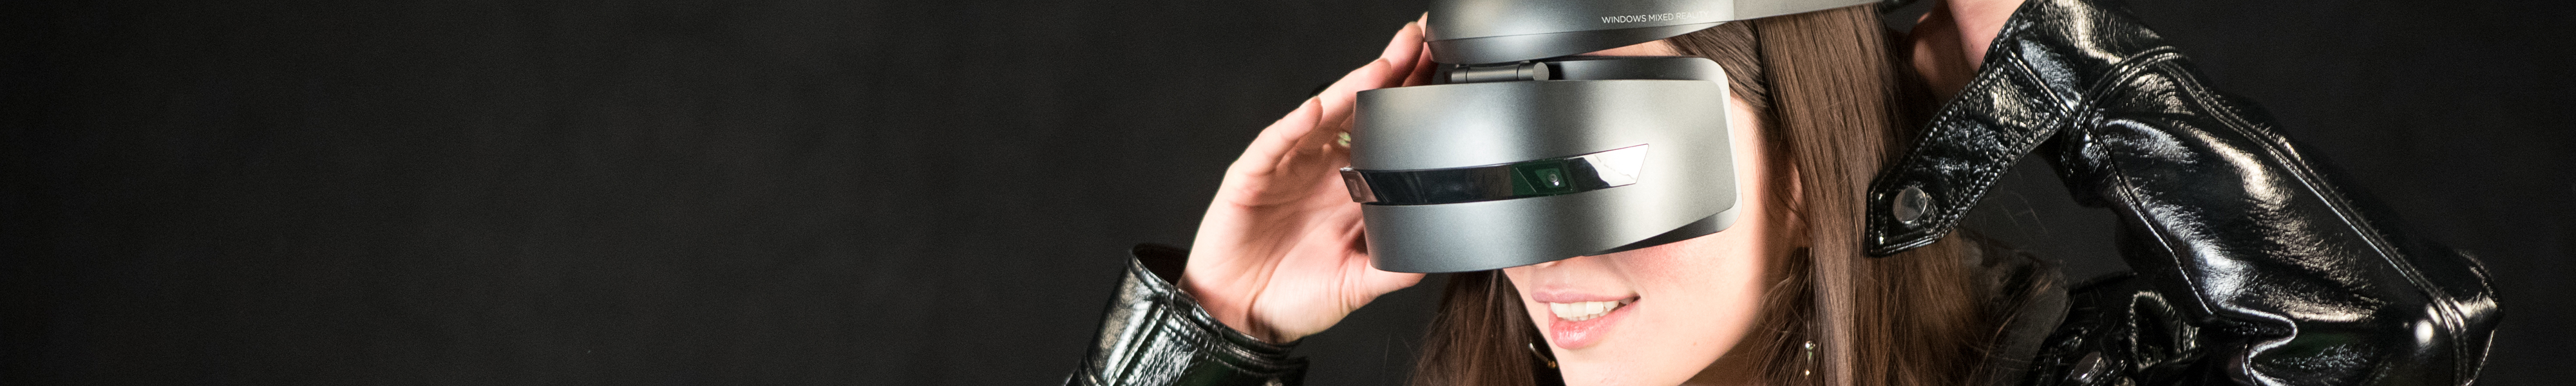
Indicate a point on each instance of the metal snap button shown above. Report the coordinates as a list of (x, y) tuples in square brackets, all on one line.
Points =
[(1910, 205)]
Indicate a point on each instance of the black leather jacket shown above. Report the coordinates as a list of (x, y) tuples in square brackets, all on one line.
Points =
[(2252, 268)]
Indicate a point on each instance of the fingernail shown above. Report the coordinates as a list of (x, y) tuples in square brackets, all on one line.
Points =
[(1393, 53)]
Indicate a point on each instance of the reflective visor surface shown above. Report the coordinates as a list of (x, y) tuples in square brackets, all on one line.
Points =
[(1537, 178)]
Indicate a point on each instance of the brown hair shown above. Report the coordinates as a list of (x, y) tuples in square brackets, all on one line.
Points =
[(1828, 86)]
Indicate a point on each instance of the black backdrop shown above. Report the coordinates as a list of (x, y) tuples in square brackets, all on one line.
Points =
[(837, 192)]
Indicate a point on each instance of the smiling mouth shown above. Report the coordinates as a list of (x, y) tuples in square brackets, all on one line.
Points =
[(1582, 311)]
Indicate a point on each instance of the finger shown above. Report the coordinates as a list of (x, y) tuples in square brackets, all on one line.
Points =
[(1373, 281), (1377, 282), (1382, 282), (1276, 141), (1340, 100), (1285, 131), (1306, 135), (1405, 47), (1422, 64), (1398, 59), (1316, 149), (1422, 71), (1296, 150), (1401, 55)]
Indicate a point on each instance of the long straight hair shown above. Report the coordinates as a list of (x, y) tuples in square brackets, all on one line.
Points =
[(1828, 89)]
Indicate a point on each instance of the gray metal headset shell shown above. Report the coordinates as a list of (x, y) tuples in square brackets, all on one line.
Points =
[(1543, 157)]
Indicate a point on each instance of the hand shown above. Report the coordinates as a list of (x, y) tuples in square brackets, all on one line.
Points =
[(1951, 41), (1280, 254)]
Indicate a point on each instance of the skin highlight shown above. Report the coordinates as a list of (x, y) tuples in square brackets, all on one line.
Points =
[(1279, 254), (1694, 300), (1948, 43)]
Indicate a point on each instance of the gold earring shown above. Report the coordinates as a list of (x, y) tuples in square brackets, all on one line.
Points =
[(1542, 356)]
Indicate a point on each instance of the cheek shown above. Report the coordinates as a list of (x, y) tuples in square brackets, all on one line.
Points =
[(1724, 266)]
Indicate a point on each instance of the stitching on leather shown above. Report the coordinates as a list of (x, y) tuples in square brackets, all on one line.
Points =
[(1987, 174), (2128, 196), (1138, 327), (1949, 212), (1944, 215), (1168, 312), (2121, 184), (1151, 332), (1944, 124), (2453, 318), (1222, 351), (2129, 68)]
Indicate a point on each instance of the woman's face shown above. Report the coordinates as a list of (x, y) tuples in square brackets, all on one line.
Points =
[(1663, 315)]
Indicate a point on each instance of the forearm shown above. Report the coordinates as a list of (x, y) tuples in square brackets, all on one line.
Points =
[(1153, 334), (2225, 217), (2293, 279)]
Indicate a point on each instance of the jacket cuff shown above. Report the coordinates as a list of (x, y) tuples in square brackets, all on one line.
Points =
[(2040, 76), (1153, 334)]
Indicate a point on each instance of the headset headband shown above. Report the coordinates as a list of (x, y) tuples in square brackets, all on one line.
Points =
[(1498, 31)]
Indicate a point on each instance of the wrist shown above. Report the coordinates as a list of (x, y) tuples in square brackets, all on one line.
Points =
[(1950, 42), (1977, 22), (1153, 333), (1228, 305)]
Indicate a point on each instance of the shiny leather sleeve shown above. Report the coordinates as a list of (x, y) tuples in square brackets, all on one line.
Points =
[(2257, 269), (1154, 334)]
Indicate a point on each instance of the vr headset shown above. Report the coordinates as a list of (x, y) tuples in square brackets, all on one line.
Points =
[(1520, 153)]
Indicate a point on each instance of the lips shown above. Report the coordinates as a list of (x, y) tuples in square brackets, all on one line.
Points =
[(1579, 324)]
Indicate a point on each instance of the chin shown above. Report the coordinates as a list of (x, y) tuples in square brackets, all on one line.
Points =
[(1637, 358), (1639, 344), (1625, 374)]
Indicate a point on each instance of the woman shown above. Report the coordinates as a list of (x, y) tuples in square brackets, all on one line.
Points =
[(2251, 268)]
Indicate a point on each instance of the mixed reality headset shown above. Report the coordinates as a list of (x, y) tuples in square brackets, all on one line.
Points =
[(1521, 152)]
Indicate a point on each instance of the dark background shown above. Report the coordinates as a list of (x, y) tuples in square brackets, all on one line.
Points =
[(839, 192)]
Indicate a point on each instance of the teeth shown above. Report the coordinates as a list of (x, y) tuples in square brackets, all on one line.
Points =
[(1581, 311)]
